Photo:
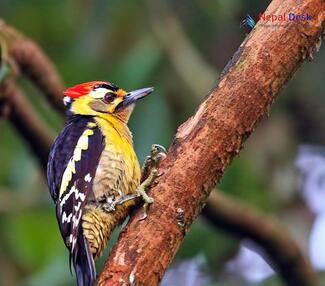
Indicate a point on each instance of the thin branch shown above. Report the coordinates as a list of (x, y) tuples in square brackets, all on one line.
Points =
[(34, 63), (25, 119), (204, 146), (23, 56), (244, 221)]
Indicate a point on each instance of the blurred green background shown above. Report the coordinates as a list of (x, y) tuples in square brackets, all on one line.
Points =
[(179, 47)]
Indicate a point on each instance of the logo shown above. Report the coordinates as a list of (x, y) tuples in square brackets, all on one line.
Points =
[(285, 17), (248, 22), (276, 20)]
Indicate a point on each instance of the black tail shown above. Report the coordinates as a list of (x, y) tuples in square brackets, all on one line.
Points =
[(84, 264)]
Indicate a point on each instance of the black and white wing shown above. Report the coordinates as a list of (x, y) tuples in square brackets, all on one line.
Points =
[(72, 165)]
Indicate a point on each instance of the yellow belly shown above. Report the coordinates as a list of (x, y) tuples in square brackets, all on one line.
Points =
[(118, 174)]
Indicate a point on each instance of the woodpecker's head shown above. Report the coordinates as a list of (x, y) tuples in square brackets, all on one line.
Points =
[(100, 98)]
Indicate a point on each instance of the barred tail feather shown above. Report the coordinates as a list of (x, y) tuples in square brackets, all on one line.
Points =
[(84, 264)]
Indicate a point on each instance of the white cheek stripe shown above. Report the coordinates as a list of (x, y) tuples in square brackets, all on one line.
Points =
[(82, 145)]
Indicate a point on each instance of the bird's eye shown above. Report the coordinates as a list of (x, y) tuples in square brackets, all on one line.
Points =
[(109, 97)]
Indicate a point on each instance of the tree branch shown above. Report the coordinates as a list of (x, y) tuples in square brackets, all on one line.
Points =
[(204, 146), (28, 124), (24, 56), (244, 221), (34, 63)]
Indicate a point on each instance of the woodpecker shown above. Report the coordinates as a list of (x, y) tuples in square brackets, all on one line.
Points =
[(93, 172)]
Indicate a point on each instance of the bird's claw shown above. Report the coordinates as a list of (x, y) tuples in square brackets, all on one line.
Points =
[(141, 191), (157, 154), (150, 173), (110, 207), (145, 208)]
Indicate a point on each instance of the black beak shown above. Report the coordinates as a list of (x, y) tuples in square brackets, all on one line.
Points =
[(134, 96)]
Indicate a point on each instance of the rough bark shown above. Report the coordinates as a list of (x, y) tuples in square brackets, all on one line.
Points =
[(204, 146)]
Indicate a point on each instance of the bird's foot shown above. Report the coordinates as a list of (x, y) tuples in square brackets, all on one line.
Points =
[(149, 174), (157, 154), (142, 192), (110, 206)]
